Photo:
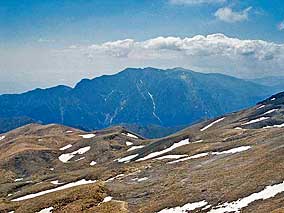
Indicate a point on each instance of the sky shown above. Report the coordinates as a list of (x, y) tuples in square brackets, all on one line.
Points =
[(50, 42)]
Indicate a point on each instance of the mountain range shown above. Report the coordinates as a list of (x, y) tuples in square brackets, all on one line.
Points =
[(231, 163), (151, 101)]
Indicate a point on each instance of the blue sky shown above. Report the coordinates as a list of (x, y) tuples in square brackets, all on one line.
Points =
[(44, 43)]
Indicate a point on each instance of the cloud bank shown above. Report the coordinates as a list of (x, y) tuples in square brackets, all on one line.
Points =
[(198, 46)]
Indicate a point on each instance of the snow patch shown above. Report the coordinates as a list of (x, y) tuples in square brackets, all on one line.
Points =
[(190, 157), (174, 146), (171, 157), (233, 151), (238, 128), (135, 147), (199, 141), (117, 176), (128, 143), (140, 179), (86, 136), (2, 137), (66, 157), (56, 182), (93, 163), (185, 208), (200, 155), (236, 206), (66, 186), (261, 106), (46, 210), (82, 158), (274, 126), (211, 124), (130, 135), (18, 179), (127, 158), (107, 199), (65, 147), (256, 120), (270, 111)]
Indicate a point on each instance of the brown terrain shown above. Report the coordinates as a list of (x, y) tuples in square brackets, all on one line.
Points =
[(234, 163)]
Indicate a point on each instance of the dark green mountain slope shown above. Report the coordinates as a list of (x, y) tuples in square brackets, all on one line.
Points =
[(143, 97)]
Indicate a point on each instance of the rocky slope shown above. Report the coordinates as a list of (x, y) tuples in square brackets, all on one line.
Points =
[(138, 97), (228, 164)]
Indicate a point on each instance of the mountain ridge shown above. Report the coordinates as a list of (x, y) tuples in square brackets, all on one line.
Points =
[(149, 96)]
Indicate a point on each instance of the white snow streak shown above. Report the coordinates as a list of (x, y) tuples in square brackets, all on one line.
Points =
[(140, 179), (65, 147), (186, 208), (66, 186), (46, 210), (135, 147), (200, 155), (86, 136), (154, 107), (174, 146), (66, 157), (236, 206), (274, 126), (127, 158), (171, 157), (2, 137), (233, 151), (261, 106), (256, 120), (211, 124), (190, 157), (113, 178), (270, 111), (199, 141), (130, 135)]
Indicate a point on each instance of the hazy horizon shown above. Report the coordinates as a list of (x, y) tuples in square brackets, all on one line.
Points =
[(47, 43)]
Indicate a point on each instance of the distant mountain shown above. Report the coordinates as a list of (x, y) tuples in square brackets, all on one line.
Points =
[(273, 81), (139, 97)]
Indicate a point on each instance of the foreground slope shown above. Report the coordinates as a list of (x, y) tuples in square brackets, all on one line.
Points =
[(228, 164), (143, 97)]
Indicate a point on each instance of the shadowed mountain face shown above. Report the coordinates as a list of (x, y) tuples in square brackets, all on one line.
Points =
[(232, 163), (143, 97)]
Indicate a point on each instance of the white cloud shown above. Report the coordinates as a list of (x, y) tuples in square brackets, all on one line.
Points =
[(201, 46), (226, 14), (119, 48), (196, 2), (211, 53), (281, 26)]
